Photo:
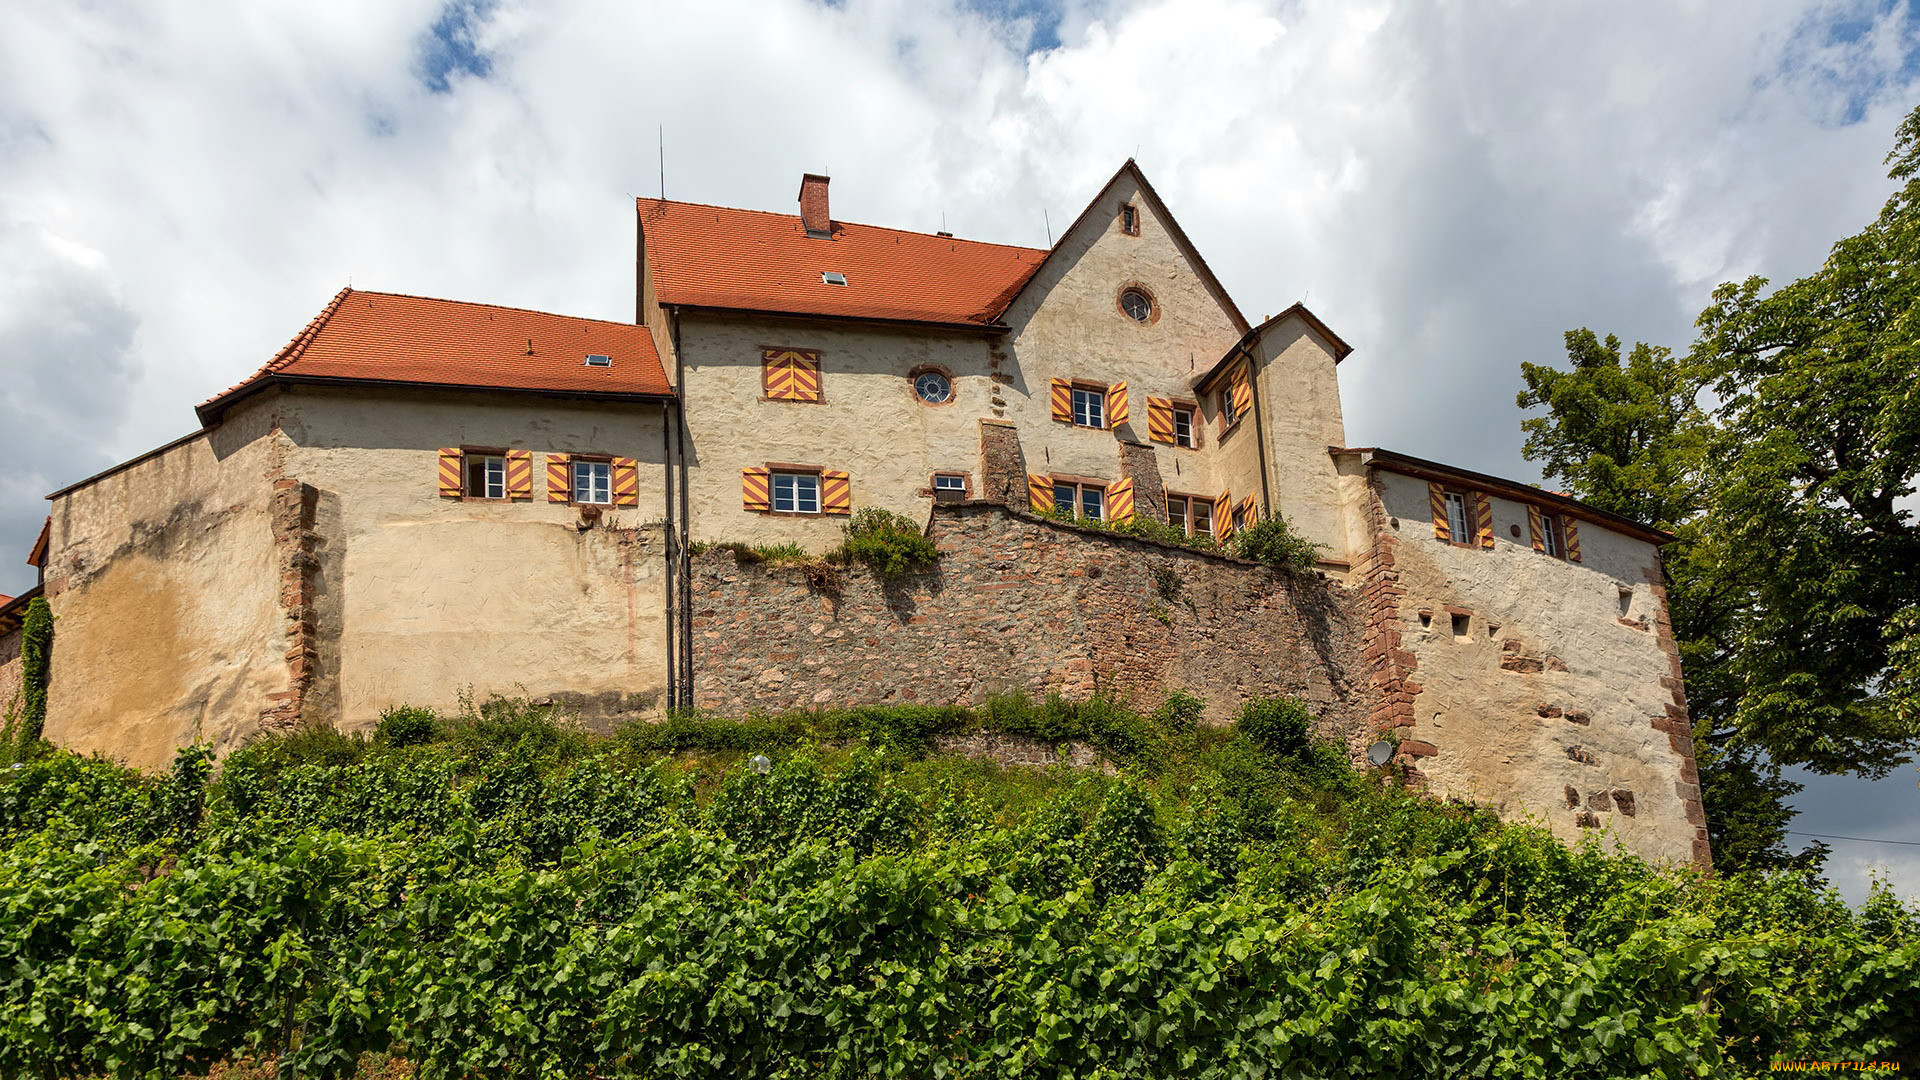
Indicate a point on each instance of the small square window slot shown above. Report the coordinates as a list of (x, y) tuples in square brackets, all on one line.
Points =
[(1462, 625), (1626, 602)]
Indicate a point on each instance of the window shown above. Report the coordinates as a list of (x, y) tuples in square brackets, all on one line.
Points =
[(833, 277), (1191, 514), (1089, 407), (1553, 535), (599, 360), (1228, 415), (1246, 517), (486, 476), (933, 387), (790, 374), (1130, 220), (1183, 430), (796, 493), (1460, 517), (593, 481), (1137, 304), (949, 482), (1080, 500)]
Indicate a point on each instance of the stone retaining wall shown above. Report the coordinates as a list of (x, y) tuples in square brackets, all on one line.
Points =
[(1021, 603)]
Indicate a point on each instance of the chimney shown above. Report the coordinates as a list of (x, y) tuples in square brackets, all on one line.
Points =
[(813, 205)]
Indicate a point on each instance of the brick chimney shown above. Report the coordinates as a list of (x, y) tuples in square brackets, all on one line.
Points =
[(813, 205)]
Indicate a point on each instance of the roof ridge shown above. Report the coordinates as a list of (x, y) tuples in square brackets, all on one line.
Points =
[(301, 340), (484, 304), (842, 221)]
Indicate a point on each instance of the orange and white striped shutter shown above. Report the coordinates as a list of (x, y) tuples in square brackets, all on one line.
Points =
[(1245, 509), (1039, 492), (1160, 420), (1120, 501), (519, 474), (1242, 391), (836, 493), (1573, 539), (1223, 515), (1483, 502), (1061, 395), (1117, 404), (1537, 528), (753, 489), (791, 374), (559, 478), (626, 482), (450, 460), (1437, 496)]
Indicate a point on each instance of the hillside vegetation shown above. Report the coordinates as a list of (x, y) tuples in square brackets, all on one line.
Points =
[(498, 895)]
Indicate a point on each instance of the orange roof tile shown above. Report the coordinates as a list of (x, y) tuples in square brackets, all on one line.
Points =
[(372, 337), (718, 257)]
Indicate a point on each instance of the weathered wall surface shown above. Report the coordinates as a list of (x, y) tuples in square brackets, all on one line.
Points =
[(1541, 686), (418, 597), (165, 585), (767, 639), (1299, 396), (9, 672)]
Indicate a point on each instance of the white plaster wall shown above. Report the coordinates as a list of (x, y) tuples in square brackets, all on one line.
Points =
[(1493, 746), (421, 596), (1300, 411), (165, 591)]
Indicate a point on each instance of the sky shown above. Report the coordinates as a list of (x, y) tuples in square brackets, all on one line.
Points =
[(1450, 185)]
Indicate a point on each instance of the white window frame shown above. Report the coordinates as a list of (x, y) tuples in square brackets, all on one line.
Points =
[(1077, 499), (1186, 432), (1228, 417), (949, 482), (593, 483), (799, 490), (1553, 535), (493, 482), (1094, 414), (1466, 525)]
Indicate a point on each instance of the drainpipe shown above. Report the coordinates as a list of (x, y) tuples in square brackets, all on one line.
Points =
[(1259, 432), (685, 559), (672, 542)]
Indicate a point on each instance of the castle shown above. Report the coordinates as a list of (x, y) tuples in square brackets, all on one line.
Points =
[(416, 496)]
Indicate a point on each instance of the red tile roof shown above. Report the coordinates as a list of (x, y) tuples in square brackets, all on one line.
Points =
[(718, 257), (389, 338)]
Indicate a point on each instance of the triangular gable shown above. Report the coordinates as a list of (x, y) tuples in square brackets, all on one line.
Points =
[(1159, 206)]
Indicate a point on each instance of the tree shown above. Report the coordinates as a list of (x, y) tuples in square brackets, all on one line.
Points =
[(1796, 573)]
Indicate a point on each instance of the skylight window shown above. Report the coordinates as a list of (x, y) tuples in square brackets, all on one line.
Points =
[(833, 277), (597, 360)]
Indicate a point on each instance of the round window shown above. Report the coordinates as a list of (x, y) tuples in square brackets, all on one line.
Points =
[(933, 387), (1137, 305)]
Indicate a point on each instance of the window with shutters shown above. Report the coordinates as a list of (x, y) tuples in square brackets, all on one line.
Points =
[(486, 476), (592, 481), (1089, 407), (1080, 499), (1553, 535), (1461, 520), (1184, 431), (1229, 414), (1247, 517), (1191, 514), (788, 374), (796, 493)]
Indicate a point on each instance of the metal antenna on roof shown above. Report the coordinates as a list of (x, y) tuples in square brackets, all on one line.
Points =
[(1049, 221), (529, 346), (663, 162)]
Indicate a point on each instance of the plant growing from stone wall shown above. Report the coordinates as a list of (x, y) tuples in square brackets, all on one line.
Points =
[(36, 656), (1272, 541), (888, 543)]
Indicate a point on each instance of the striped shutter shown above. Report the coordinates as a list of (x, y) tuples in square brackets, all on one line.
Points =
[(1160, 420), (1484, 503), (1537, 528), (790, 374), (1062, 396), (1120, 501), (1242, 392), (1223, 515), (836, 493), (1573, 539), (753, 490), (1117, 404), (1437, 496), (559, 479), (450, 461), (1039, 492), (626, 482), (519, 474)]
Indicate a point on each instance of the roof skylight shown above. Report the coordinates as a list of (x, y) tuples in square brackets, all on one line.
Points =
[(833, 277)]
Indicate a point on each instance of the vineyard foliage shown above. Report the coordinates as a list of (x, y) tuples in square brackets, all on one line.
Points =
[(503, 896)]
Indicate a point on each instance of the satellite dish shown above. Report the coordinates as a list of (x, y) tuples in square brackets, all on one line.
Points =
[(1380, 753)]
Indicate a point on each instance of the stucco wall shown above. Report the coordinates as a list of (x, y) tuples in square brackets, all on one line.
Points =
[(768, 638), (1547, 703), (9, 673), (420, 597), (1300, 411), (165, 589)]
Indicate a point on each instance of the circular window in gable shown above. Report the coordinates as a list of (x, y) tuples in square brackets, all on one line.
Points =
[(933, 387), (1137, 305)]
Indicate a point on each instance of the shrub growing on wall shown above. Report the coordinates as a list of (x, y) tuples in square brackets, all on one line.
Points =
[(887, 542), (1271, 540), (36, 654)]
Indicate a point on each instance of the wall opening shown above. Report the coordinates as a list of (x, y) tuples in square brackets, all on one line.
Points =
[(1462, 626), (1626, 602)]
